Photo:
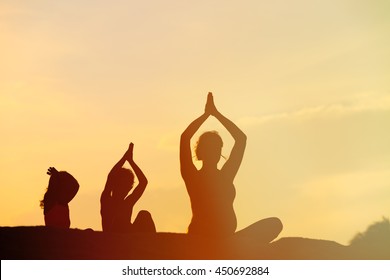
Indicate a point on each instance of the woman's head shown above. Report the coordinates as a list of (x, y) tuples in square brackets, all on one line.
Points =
[(209, 147), (122, 181)]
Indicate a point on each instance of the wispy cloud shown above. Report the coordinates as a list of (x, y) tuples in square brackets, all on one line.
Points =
[(374, 102)]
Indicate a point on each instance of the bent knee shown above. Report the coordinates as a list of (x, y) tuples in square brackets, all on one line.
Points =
[(276, 224), (143, 214), (144, 222)]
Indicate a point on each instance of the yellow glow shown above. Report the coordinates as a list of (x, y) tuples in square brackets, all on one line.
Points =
[(307, 82)]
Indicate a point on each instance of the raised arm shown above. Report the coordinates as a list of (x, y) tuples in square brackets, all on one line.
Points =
[(108, 187), (142, 181), (187, 166), (233, 163)]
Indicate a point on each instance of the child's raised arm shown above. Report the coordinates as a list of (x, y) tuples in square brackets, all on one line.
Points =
[(142, 180), (108, 187)]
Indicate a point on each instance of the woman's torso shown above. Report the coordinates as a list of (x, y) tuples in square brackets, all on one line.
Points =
[(212, 197)]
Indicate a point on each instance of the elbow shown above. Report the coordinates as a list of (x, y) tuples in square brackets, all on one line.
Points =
[(184, 137), (184, 140), (144, 182), (241, 138)]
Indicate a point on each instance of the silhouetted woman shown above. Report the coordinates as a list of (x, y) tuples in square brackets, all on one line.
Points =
[(211, 190), (61, 190), (117, 205)]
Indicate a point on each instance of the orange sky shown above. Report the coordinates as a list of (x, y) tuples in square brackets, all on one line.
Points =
[(306, 81)]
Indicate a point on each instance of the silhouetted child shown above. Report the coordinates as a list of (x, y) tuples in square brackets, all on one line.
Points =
[(61, 190), (117, 206)]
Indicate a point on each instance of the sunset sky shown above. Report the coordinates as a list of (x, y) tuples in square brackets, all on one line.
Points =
[(308, 81)]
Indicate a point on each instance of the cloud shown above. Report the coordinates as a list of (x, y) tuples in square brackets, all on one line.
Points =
[(369, 102)]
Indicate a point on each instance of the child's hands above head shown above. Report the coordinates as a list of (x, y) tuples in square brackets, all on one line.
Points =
[(51, 171), (129, 152)]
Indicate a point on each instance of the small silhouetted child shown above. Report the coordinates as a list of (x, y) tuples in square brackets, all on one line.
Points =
[(61, 190), (117, 205)]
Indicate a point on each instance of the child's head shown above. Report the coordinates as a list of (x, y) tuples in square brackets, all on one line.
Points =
[(122, 181), (61, 189)]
